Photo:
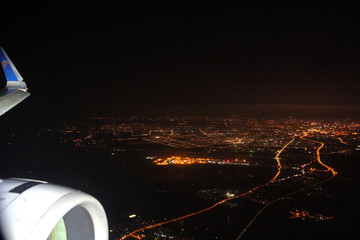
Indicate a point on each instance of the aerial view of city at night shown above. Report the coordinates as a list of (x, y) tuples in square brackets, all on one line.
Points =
[(177, 122), (206, 177)]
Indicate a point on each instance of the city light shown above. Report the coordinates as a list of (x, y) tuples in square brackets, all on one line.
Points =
[(291, 149)]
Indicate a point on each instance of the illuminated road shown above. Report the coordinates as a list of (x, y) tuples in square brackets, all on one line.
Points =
[(278, 199), (274, 179), (277, 157), (340, 139), (203, 132), (296, 191), (330, 169), (191, 214)]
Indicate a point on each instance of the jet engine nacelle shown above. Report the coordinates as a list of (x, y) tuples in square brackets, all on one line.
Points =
[(35, 210)]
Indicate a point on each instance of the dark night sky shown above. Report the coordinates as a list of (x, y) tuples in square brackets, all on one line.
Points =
[(105, 54)]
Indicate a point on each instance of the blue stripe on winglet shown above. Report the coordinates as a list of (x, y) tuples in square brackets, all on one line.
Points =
[(9, 73)]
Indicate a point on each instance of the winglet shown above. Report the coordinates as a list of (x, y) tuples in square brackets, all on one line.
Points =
[(13, 89)]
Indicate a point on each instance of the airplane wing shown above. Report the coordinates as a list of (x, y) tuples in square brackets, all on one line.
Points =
[(31, 209), (13, 89)]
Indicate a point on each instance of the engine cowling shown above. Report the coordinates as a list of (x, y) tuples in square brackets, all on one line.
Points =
[(31, 209)]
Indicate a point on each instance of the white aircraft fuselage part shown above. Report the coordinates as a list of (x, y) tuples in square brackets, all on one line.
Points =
[(32, 209)]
